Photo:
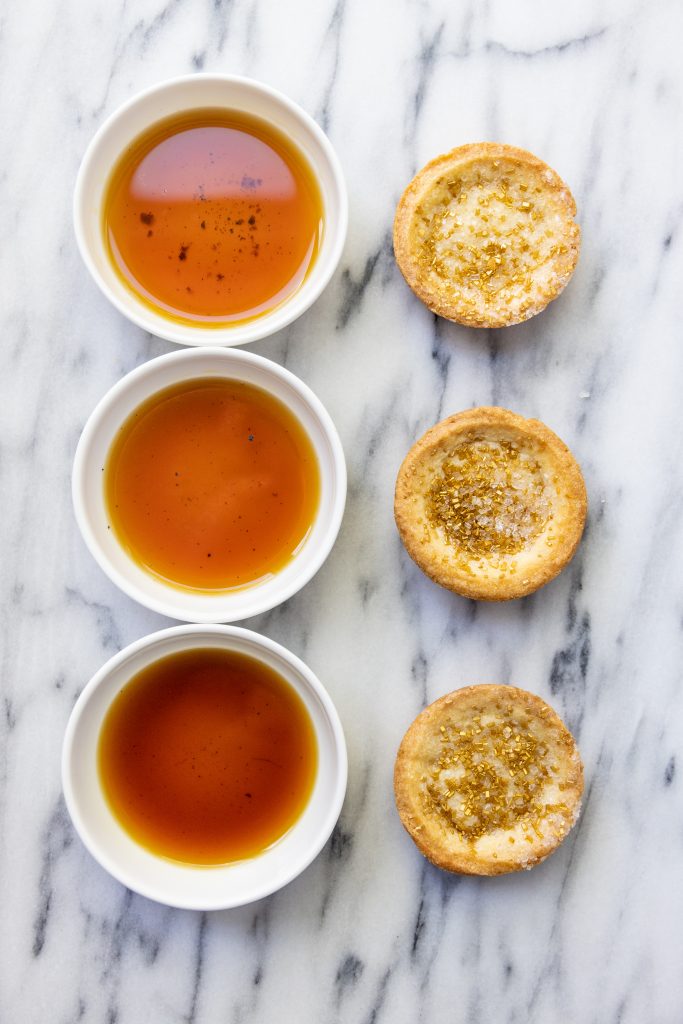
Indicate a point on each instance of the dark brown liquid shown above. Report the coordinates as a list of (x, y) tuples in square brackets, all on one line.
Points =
[(212, 484), (207, 757), (212, 217)]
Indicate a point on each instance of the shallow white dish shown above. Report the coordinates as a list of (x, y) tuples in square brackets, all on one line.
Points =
[(187, 93), (89, 499), (185, 885)]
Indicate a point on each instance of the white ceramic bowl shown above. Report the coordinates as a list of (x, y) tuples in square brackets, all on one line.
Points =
[(89, 498), (186, 885), (187, 93)]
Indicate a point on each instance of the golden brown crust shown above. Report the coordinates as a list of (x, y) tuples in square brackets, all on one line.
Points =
[(544, 785), (485, 235), (491, 575)]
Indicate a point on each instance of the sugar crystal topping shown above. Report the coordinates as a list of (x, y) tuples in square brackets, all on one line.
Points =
[(490, 499), (494, 771), (487, 239)]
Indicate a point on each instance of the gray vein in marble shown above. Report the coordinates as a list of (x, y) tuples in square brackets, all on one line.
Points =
[(354, 289), (198, 968), (56, 840), (331, 41), (104, 618), (426, 61)]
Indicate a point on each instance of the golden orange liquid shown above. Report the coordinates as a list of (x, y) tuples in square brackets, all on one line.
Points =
[(207, 756), (212, 484), (212, 217)]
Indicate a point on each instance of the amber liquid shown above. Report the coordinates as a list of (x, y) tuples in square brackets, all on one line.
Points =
[(212, 217), (212, 484), (207, 757)]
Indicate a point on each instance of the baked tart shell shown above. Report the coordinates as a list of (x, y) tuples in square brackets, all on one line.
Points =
[(539, 774), (485, 235), (490, 575)]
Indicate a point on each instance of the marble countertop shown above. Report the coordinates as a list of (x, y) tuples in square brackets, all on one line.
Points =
[(370, 933)]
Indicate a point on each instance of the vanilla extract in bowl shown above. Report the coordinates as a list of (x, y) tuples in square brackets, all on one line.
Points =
[(213, 217), (212, 484), (207, 756)]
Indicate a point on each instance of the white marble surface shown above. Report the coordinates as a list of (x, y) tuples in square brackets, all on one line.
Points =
[(370, 933)]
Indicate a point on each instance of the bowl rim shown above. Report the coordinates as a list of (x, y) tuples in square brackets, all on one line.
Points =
[(262, 326), (260, 642), (337, 481)]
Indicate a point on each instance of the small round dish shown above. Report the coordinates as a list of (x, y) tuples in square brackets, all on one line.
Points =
[(89, 493), (194, 92), (489, 504), (488, 780), (185, 885), (485, 235)]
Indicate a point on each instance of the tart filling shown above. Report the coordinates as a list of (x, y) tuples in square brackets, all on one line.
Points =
[(490, 499), (485, 235), (489, 504), (488, 780)]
